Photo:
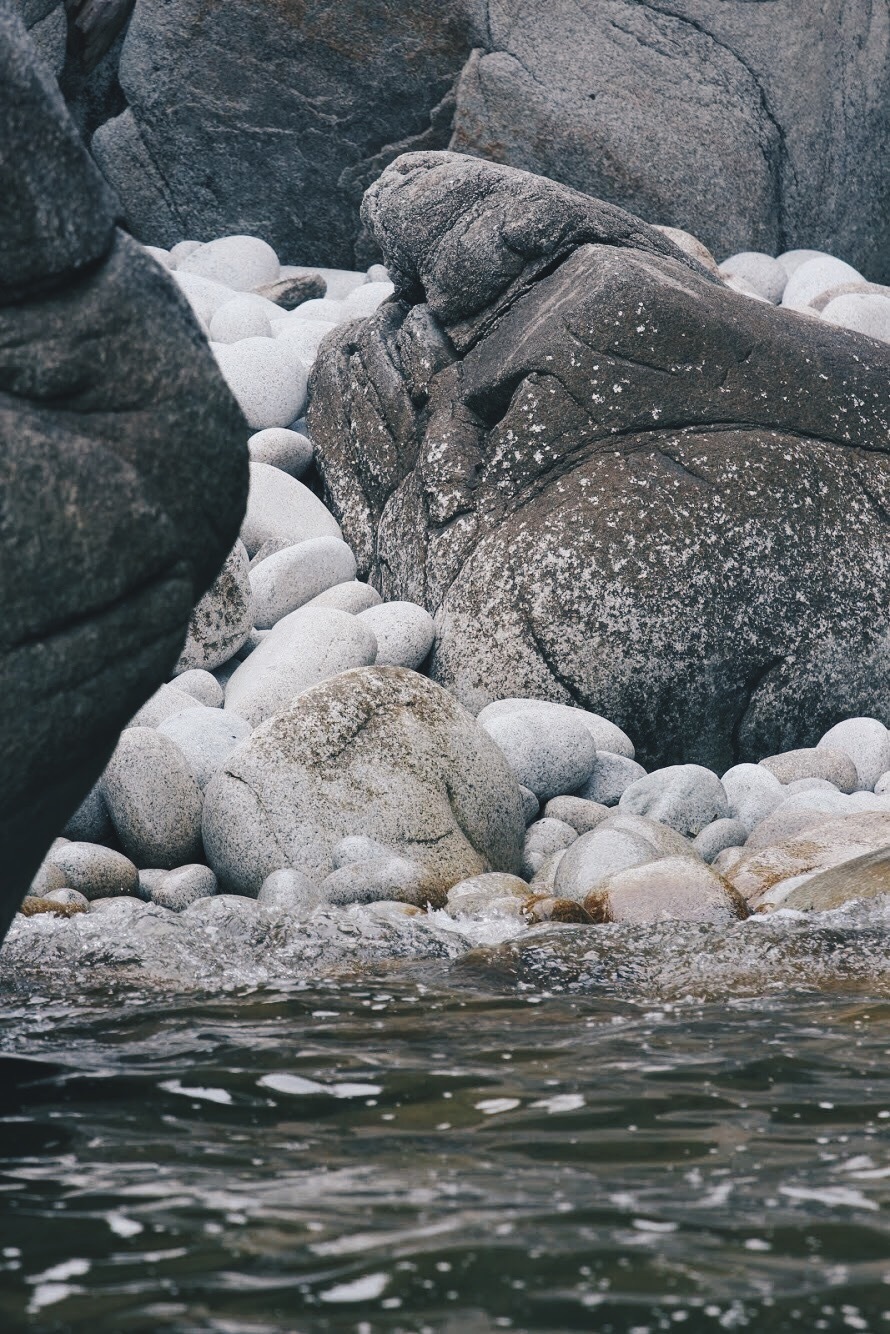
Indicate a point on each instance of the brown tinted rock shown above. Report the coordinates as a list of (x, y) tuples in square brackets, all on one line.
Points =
[(32, 907), (672, 889), (542, 908), (288, 293), (756, 874), (866, 877), (812, 762)]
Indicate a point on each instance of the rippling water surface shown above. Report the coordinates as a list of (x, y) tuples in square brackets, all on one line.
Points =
[(574, 1129)]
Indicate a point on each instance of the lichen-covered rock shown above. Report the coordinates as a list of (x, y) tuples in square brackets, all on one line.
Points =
[(541, 440), (123, 467), (380, 752)]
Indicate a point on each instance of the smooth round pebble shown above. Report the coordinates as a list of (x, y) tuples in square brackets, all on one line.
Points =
[(542, 838), (685, 796), (479, 893), (620, 842), (718, 836), (245, 316), (182, 250), (813, 277), (205, 737), (241, 262), (550, 752), (153, 799), (363, 301), (405, 633), (266, 377), (866, 742), (291, 451), (149, 879), (791, 260), (882, 786), (763, 274), (96, 871), (530, 804), (167, 700), (203, 685), (182, 887), (753, 793), (814, 762), (672, 889), (278, 506), (49, 877), (582, 815), (353, 597), (606, 735), (289, 578), (289, 891), (91, 822), (70, 898), (863, 312), (611, 777), (203, 296), (303, 337), (690, 245), (378, 878), (326, 309)]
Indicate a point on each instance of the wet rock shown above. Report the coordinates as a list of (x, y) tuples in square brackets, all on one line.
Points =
[(669, 889), (206, 737), (760, 873), (544, 908), (717, 837), (753, 792), (814, 762), (801, 811), (612, 776), (291, 451), (203, 685), (383, 877), (550, 751), (865, 877), (31, 906), (543, 838), (480, 893), (866, 742), (620, 842), (289, 891), (281, 507), (380, 752), (582, 815), (97, 872), (153, 799), (182, 887), (404, 632), (685, 796), (222, 619)]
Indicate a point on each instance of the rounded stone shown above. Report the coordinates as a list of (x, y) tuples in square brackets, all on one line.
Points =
[(96, 871), (865, 877), (69, 898), (478, 893), (753, 793), (882, 786), (530, 804), (222, 619), (765, 275), (380, 752), (673, 889), (804, 810), (866, 742), (353, 597), (206, 737), (363, 301), (813, 277), (620, 842), (718, 836), (325, 309), (167, 700), (606, 735), (240, 262), (266, 377), (550, 752), (582, 815), (791, 260), (546, 908), (91, 822), (203, 685), (389, 877), (245, 316), (290, 578), (814, 762), (304, 648), (203, 295), (690, 245), (278, 506), (154, 801), (149, 878), (49, 877), (178, 252), (761, 874), (542, 838), (303, 337), (685, 796), (865, 313), (289, 891), (612, 776), (291, 451), (182, 887), (405, 633)]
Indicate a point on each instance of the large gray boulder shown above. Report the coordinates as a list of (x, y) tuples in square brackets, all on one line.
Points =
[(122, 469), (614, 481)]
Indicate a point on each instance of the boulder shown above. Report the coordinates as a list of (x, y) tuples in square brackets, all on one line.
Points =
[(760, 874), (123, 467), (380, 752), (541, 441), (153, 799), (866, 877), (684, 796)]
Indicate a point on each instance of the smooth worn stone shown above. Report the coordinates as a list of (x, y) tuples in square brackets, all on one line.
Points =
[(245, 316), (182, 887), (882, 786), (545, 908), (745, 288), (288, 891), (270, 548), (167, 700), (179, 251), (387, 877), (49, 877), (231, 917), (866, 877), (813, 277), (718, 836), (864, 312), (620, 842), (612, 776), (582, 815), (69, 898), (544, 879), (203, 685), (753, 793), (866, 742), (530, 804), (606, 735), (808, 785), (690, 245), (380, 752), (685, 796), (814, 762), (253, 640), (803, 810), (96, 871), (91, 822), (240, 262), (478, 893), (763, 273), (363, 301), (222, 619), (267, 378), (153, 798), (306, 647), (727, 858), (290, 578), (325, 310), (303, 336), (149, 879), (791, 260), (759, 875), (550, 752), (204, 297), (353, 597), (358, 848), (291, 451), (405, 633), (672, 889), (543, 838), (280, 506), (291, 291), (206, 737)]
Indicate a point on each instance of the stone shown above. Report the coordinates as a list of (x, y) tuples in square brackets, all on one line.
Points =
[(149, 878), (760, 873), (481, 893), (279, 448), (153, 798), (544, 879), (753, 792), (612, 776), (91, 822), (620, 842), (204, 297), (269, 548), (280, 506), (49, 877), (180, 888), (727, 858), (441, 427), (690, 245), (34, 907), (378, 751), (203, 685), (808, 785), (814, 762), (866, 313), (865, 741), (222, 619), (363, 301), (388, 877), (289, 891), (545, 908), (292, 291), (240, 262), (245, 316), (353, 597), (764, 274), (813, 277), (550, 752), (122, 468), (581, 814), (718, 836), (290, 578), (742, 286), (542, 838), (267, 378), (166, 701), (804, 810), (179, 251), (206, 737), (791, 260), (882, 786), (95, 871), (866, 877), (405, 633), (306, 647), (671, 889), (327, 310), (605, 734), (303, 336), (69, 898), (685, 796)]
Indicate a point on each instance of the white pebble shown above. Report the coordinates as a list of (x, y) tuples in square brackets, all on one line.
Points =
[(241, 262), (266, 377), (289, 578), (278, 506), (291, 451), (245, 316), (863, 312), (814, 277), (405, 633)]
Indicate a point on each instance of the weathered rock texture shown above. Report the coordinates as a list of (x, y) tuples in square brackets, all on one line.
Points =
[(755, 125), (613, 480), (122, 470)]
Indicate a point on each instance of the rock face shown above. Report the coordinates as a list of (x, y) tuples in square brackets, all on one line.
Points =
[(122, 470), (542, 438), (379, 752), (757, 126)]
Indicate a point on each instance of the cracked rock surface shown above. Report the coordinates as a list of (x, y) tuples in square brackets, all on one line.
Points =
[(614, 481)]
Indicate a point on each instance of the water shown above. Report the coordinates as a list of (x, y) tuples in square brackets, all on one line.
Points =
[(566, 1129)]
